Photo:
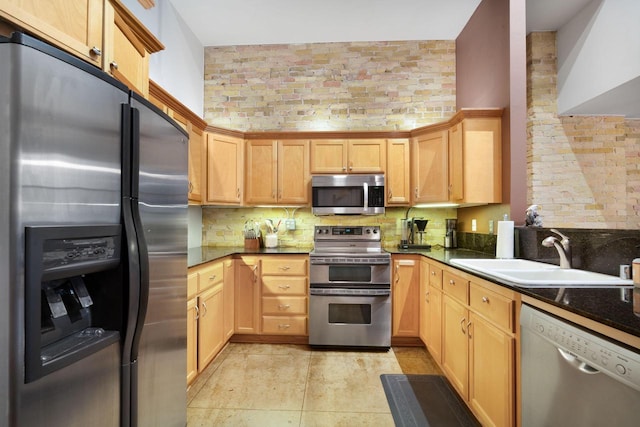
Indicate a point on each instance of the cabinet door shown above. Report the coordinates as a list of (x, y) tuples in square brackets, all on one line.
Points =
[(329, 156), (224, 169), (192, 339), (482, 160), (228, 294), (491, 359), (293, 172), (73, 25), (455, 351), (456, 170), (247, 296), (210, 339), (405, 297), (367, 156), (435, 324), (397, 178), (196, 160), (429, 178), (261, 176)]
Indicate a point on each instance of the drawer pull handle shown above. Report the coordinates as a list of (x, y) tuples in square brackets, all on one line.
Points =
[(285, 267), (96, 51), (469, 329), (114, 65), (284, 306), (284, 286), (284, 326), (197, 312), (212, 277), (485, 299), (462, 325), (204, 305)]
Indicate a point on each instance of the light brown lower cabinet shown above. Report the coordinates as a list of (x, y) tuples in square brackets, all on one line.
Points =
[(210, 336), (478, 354), (405, 290), (209, 313), (192, 339)]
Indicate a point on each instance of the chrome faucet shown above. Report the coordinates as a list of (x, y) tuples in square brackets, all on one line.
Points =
[(563, 247)]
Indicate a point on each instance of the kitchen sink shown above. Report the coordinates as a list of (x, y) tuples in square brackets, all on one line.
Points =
[(526, 273)]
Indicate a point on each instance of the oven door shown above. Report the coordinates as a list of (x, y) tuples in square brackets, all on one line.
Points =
[(350, 275), (350, 317)]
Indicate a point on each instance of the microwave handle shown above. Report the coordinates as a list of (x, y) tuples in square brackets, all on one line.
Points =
[(366, 195)]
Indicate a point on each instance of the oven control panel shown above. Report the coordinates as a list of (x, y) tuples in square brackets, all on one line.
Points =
[(331, 232)]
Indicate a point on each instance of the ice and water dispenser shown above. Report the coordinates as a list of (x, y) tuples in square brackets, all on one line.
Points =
[(73, 295)]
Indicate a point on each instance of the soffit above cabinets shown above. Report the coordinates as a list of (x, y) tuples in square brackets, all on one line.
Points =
[(251, 22)]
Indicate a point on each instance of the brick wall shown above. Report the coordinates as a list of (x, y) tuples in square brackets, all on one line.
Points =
[(582, 171), (330, 86)]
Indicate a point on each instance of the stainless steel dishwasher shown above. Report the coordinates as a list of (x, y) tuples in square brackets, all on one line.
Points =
[(574, 377)]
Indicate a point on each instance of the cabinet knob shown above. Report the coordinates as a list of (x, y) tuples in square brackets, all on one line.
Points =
[(95, 51), (452, 282), (485, 299), (433, 273), (114, 65), (344, 168)]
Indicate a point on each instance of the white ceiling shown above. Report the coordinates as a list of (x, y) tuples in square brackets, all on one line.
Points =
[(249, 22)]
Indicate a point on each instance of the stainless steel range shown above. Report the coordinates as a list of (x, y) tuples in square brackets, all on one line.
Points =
[(350, 288)]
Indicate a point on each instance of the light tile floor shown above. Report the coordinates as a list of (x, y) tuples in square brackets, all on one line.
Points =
[(294, 385)]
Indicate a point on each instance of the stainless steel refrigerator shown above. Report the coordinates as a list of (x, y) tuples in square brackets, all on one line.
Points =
[(93, 229)]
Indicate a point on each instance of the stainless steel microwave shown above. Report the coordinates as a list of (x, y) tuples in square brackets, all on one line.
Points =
[(347, 194)]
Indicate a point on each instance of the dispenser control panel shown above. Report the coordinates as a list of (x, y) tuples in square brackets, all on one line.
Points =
[(63, 252)]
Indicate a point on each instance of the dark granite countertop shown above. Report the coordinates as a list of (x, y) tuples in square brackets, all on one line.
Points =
[(610, 306), (203, 254)]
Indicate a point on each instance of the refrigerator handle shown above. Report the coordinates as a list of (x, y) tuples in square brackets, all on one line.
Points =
[(143, 254)]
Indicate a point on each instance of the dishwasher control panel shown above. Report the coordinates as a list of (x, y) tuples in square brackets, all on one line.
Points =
[(586, 349)]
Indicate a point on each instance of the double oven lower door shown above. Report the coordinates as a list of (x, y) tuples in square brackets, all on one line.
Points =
[(350, 302)]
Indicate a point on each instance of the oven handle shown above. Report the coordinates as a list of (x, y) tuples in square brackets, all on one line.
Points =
[(350, 292)]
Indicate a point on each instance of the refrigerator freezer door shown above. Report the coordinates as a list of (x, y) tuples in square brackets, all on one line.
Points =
[(159, 393), (61, 140)]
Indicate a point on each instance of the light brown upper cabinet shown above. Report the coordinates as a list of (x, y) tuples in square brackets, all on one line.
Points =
[(128, 46), (72, 25), (348, 156), (196, 161), (277, 172), (429, 168), (225, 159), (398, 173), (475, 161)]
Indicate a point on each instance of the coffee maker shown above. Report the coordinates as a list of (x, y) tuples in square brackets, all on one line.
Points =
[(450, 238), (408, 233)]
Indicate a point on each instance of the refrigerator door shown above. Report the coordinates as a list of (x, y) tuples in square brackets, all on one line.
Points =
[(60, 139), (159, 356)]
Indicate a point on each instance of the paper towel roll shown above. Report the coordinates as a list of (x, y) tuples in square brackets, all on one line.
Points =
[(504, 243)]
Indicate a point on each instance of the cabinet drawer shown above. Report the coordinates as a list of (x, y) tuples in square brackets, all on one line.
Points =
[(284, 305), (192, 285), (281, 266), (435, 276), (495, 307), (456, 286), (210, 275), (284, 325), (276, 285)]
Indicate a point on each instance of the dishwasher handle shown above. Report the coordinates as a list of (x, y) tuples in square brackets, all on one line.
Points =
[(577, 363)]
